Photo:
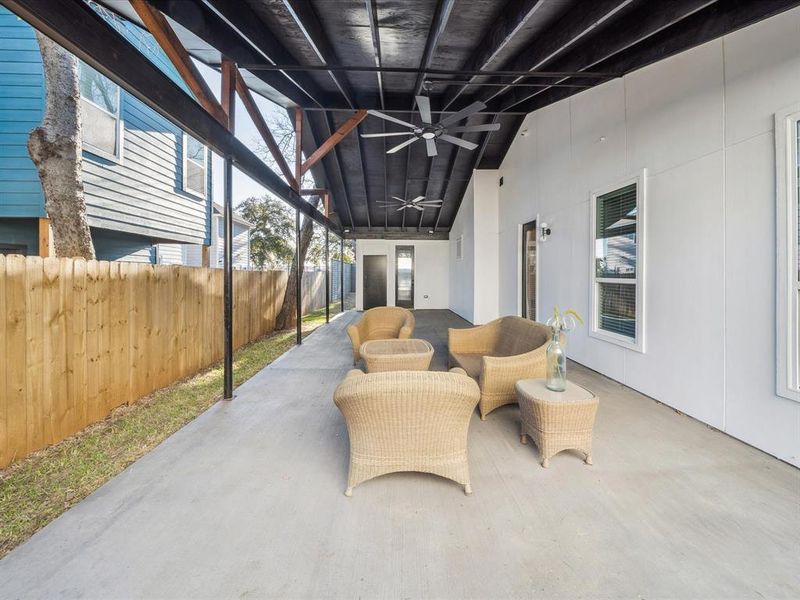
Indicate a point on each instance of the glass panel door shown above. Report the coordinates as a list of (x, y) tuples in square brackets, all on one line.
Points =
[(404, 276), (529, 270)]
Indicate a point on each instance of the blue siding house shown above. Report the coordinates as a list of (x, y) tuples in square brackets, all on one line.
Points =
[(146, 182)]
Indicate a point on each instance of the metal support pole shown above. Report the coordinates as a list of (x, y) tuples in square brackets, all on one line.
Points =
[(327, 279), (228, 279), (299, 276), (341, 270)]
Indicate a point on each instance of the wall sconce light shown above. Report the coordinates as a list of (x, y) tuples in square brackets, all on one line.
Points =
[(544, 232)]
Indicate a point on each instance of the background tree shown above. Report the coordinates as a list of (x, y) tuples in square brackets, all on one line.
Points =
[(55, 148), (275, 237)]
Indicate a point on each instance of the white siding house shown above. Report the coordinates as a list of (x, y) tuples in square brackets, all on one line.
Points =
[(192, 254)]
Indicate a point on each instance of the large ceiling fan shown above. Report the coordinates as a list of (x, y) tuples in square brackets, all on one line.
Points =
[(431, 132), (419, 203)]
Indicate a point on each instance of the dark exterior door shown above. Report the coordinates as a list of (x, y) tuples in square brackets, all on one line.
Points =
[(374, 280), (529, 270), (404, 276)]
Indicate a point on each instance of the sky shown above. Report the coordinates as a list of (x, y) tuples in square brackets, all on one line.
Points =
[(243, 186)]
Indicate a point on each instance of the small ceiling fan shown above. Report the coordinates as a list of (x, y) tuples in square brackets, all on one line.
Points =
[(431, 132), (419, 203)]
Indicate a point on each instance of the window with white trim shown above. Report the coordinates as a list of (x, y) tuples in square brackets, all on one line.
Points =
[(617, 286), (101, 129), (195, 159), (787, 145)]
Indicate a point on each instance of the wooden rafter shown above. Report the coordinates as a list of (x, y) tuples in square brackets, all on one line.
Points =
[(335, 138), (162, 31), (266, 134), (228, 92)]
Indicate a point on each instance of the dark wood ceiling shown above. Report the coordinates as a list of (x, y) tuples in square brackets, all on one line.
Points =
[(443, 41)]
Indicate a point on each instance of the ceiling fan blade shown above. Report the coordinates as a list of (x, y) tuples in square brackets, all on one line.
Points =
[(380, 135), (471, 128), (401, 208), (417, 199), (462, 114), (377, 113), (401, 146), (419, 208), (431, 147), (430, 203), (424, 105), (458, 141), (398, 199)]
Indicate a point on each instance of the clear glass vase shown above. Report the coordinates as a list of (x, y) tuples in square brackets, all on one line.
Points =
[(556, 364)]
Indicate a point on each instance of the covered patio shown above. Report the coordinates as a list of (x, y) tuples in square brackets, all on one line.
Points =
[(246, 501), (634, 161)]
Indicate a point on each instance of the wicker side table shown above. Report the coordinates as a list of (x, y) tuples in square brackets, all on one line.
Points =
[(556, 420), (396, 355)]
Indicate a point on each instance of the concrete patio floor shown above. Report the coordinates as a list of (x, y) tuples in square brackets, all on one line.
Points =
[(247, 502)]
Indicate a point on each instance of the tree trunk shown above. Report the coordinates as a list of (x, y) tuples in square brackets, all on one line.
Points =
[(55, 148), (287, 315)]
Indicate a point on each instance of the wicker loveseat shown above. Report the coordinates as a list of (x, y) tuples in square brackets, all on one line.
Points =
[(499, 354), (380, 323), (407, 421)]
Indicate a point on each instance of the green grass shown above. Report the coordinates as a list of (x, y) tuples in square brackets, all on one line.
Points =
[(39, 488)]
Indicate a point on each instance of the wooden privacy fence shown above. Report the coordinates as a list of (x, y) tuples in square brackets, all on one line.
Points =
[(80, 338)]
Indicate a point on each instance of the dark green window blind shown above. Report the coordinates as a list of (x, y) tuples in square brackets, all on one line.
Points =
[(616, 222)]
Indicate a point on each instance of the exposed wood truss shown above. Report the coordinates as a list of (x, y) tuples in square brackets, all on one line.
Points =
[(173, 48), (334, 139)]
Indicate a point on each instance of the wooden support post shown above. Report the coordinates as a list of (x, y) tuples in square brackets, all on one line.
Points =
[(162, 31), (205, 256), (298, 175), (228, 95), (336, 137), (44, 238)]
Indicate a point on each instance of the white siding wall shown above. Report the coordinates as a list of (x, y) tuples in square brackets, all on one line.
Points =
[(702, 124), (431, 270)]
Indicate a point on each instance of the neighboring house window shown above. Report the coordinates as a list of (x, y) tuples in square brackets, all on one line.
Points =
[(787, 144), (460, 247), (101, 129), (617, 309), (194, 166)]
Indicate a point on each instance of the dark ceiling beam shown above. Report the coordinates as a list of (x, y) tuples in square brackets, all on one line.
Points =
[(374, 29), (246, 22), (77, 27), (510, 20), (394, 233), (294, 67), (308, 21), (698, 28), (204, 22), (438, 25), (635, 27), (566, 32)]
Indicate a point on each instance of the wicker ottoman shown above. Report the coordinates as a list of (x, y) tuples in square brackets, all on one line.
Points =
[(556, 420), (396, 355)]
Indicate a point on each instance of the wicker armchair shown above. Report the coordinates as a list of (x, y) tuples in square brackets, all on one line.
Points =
[(407, 421), (499, 354), (381, 323)]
